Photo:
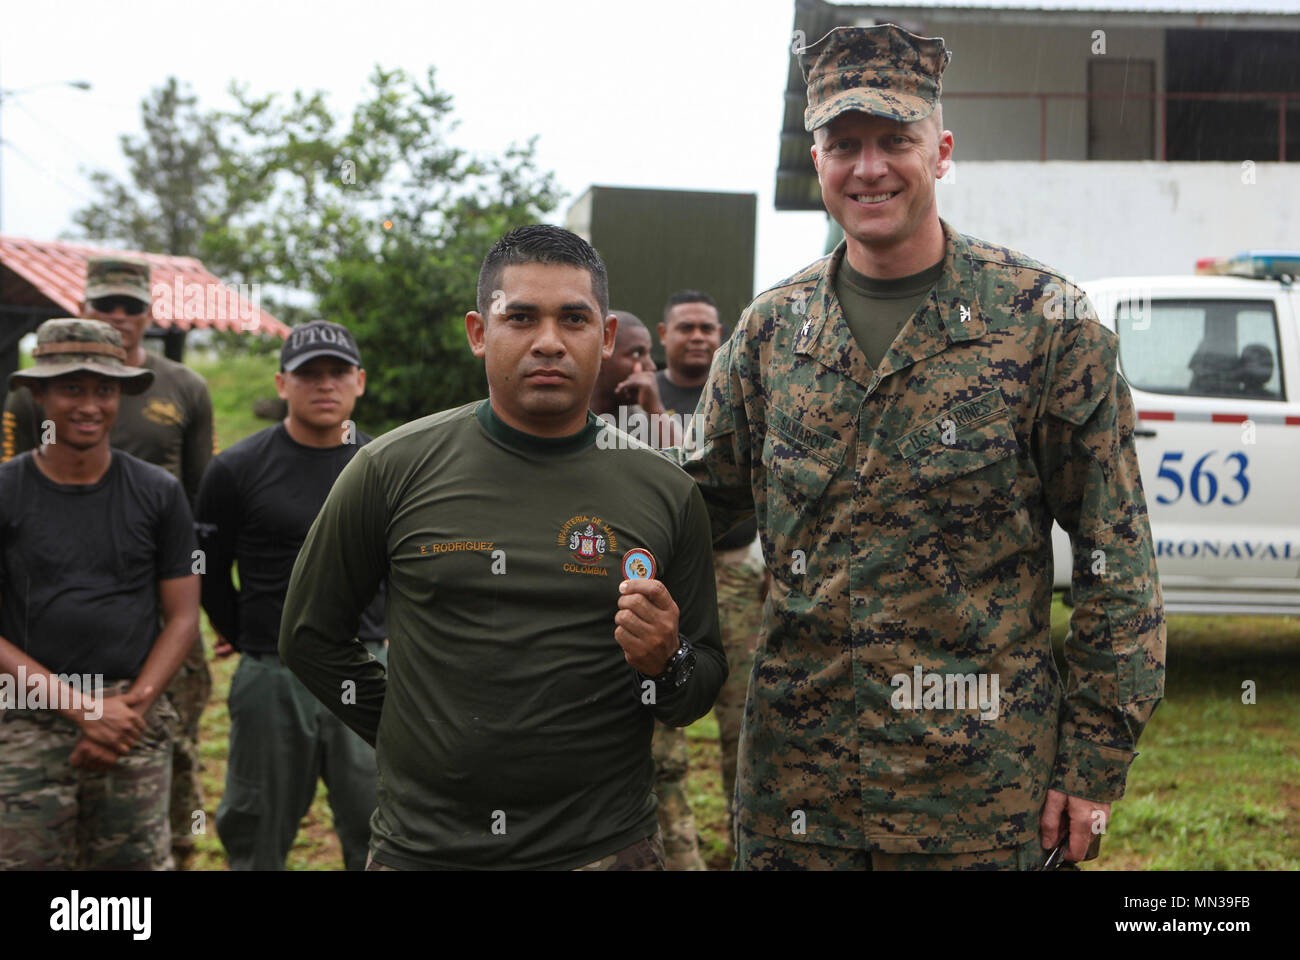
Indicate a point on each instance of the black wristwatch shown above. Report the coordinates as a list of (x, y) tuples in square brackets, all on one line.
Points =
[(680, 666)]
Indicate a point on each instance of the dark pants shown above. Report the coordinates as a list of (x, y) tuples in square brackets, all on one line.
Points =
[(281, 740)]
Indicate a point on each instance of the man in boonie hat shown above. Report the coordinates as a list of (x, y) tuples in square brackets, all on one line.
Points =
[(96, 551), (75, 346), (168, 424), (908, 420)]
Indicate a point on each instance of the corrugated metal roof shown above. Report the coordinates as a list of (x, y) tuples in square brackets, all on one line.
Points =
[(186, 295)]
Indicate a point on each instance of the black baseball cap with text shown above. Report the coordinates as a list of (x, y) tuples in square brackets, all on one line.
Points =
[(320, 338)]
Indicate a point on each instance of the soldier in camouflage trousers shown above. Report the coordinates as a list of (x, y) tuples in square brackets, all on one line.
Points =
[(169, 424), (98, 606), (905, 468), (681, 839), (627, 380), (740, 613), (79, 818)]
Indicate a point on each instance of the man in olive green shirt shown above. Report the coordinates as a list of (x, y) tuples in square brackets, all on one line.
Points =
[(550, 596)]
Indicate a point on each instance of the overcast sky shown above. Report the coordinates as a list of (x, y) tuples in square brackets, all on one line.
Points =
[(682, 94), (669, 93)]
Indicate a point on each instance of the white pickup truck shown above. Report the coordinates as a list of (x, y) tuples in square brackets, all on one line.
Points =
[(1213, 363)]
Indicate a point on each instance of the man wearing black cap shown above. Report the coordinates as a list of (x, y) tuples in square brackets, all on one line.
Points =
[(257, 502), (96, 549), (906, 421)]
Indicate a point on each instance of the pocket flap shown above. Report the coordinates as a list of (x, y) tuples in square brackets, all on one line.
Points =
[(801, 458), (961, 440)]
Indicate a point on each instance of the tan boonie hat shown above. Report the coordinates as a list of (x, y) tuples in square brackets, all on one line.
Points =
[(80, 346), (881, 70), (117, 276)]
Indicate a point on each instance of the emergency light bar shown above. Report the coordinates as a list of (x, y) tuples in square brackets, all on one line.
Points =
[(1257, 264)]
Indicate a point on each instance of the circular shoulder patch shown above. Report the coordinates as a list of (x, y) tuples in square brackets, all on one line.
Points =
[(638, 564)]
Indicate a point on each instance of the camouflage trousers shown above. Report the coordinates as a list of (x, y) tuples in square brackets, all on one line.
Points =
[(645, 855), (740, 615), (189, 692), (757, 852), (58, 817), (681, 842)]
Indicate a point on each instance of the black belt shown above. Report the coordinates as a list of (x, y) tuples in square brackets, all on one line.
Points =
[(261, 654)]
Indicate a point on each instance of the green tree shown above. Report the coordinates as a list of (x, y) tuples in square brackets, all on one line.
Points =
[(377, 221), (385, 223), (180, 188)]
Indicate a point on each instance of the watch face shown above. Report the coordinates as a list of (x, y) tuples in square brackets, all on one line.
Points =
[(682, 672)]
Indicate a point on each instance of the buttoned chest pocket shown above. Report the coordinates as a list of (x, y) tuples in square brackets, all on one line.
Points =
[(968, 479), (798, 474)]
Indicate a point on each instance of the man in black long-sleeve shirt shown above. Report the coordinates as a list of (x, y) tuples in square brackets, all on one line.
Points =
[(256, 504)]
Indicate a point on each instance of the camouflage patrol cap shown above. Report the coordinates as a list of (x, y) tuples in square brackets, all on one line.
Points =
[(80, 346), (117, 276), (882, 70)]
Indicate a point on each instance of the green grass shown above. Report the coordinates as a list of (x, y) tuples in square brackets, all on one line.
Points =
[(1217, 782), (1216, 785), (235, 382)]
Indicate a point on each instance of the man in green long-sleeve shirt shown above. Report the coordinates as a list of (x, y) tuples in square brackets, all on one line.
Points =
[(551, 594)]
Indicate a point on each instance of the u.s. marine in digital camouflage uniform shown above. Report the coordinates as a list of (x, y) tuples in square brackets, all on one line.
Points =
[(905, 513)]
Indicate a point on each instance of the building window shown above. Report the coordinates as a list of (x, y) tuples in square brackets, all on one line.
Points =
[(1121, 126)]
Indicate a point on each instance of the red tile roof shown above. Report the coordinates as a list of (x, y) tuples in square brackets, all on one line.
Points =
[(186, 295)]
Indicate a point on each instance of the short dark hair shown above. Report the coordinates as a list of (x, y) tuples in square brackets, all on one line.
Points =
[(687, 296), (628, 321), (541, 243)]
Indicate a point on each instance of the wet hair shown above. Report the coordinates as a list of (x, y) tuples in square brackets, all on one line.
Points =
[(687, 296), (541, 243)]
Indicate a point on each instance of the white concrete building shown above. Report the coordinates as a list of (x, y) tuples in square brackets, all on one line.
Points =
[(1103, 138)]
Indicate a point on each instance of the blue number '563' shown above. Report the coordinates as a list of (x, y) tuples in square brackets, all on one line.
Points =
[(1201, 482)]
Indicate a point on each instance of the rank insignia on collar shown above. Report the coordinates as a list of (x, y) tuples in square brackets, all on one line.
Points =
[(638, 564)]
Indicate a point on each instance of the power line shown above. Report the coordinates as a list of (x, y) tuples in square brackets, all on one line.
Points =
[(45, 172), (57, 133)]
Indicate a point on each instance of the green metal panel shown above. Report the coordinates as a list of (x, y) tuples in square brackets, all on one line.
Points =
[(656, 242)]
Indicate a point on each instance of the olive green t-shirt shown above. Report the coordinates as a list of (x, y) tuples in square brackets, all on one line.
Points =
[(510, 731), (876, 310)]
